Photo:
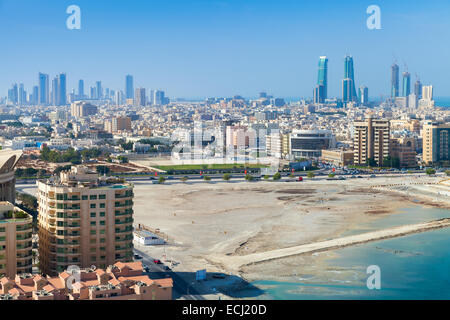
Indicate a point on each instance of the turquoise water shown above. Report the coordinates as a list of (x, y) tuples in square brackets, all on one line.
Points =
[(442, 102), (412, 267)]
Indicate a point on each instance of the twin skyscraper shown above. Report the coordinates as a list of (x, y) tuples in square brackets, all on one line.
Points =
[(348, 83)]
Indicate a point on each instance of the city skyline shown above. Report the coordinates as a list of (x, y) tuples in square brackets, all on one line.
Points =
[(348, 86), (181, 60)]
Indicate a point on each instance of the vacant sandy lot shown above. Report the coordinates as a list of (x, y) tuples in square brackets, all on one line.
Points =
[(243, 218), (203, 220)]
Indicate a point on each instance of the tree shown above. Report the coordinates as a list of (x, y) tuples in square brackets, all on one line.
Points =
[(277, 176), (430, 171), (103, 170), (311, 175), (447, 172), (127, 146), (331, 175), (249, 177), (391, 162), (227, 177), (207, 178), (184, 179), (266, 177), (371, 162), (161, 180)]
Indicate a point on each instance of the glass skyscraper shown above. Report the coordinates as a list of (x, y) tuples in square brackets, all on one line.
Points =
[(323, 78), (129, 87), (348, 84), (395, 82), (406, 84), (62, 90), (80, 89), (43, 89)]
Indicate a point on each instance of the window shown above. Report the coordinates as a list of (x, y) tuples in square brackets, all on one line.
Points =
[(102, 196), (93, 205), (93, 232), (93, 197), (84, 197), (93, 241), (102, 214), (93, 223), (102, 205), (102, 240), (93, 214), (103, 222), (102, 231)]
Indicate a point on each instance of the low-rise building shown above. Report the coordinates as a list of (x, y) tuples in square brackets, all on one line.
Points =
[(338, 157), (121, 281)]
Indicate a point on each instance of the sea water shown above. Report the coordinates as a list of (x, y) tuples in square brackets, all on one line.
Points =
[(416, 266)]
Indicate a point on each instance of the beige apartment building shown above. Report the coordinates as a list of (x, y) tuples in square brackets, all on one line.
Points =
[(80, 109), (404, 149), (84, 220), (16, 228), (8, 161), (118, 124), (436, 142), (371, 141)]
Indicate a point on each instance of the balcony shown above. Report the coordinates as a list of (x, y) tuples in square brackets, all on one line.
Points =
[(21, 238), (130, 221), (124, 231), (124, 196)]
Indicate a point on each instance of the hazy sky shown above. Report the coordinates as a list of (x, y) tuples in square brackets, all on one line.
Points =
[(200, 48)]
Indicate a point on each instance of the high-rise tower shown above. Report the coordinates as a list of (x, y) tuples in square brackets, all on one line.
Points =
[(395, 83), (406, 84), (348, 84), (129, 88), (43, 89), (322, 81)]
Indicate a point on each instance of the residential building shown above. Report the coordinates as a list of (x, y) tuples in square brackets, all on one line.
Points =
[(404, 149), (84, 220), (371, 141), (80, 109), (121, 281), (140, 98), (436, 142), (16, 230)]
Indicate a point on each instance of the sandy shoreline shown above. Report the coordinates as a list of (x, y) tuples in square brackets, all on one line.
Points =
[(204, 220)]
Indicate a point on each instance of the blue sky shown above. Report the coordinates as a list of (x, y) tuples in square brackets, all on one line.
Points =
[(203, 48)]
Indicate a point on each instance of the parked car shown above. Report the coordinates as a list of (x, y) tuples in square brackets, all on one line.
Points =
[(156, 261), (137, 257)]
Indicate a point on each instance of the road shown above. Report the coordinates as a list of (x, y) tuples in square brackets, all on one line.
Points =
[(184, 289)]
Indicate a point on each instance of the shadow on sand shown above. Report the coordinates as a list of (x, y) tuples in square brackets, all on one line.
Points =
[(215, 283)]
